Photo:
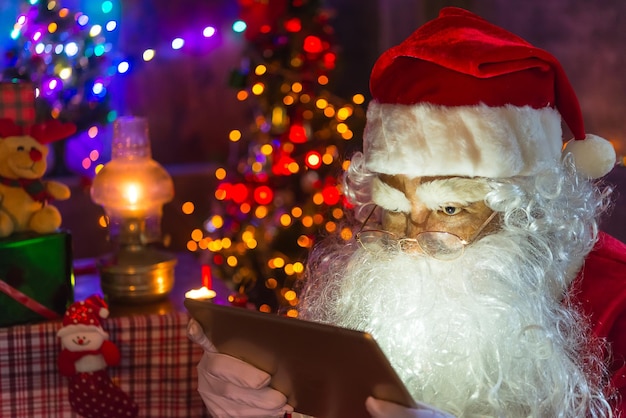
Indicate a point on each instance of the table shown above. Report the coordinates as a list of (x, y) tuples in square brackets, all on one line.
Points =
[(158, 366)]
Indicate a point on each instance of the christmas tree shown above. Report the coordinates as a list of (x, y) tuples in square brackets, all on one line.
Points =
[(67, 55), (280, 188)]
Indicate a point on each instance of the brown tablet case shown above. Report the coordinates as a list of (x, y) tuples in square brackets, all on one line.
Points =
[(325, 371)]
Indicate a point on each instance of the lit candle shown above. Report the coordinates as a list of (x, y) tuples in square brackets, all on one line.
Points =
[(202, 293), (132, 193)]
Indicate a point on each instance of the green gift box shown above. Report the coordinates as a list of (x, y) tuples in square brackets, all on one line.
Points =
[(36, 277)]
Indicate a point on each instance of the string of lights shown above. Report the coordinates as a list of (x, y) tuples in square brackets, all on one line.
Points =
[(73, 59)]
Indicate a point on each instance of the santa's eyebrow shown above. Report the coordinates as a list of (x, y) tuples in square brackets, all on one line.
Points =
[(389, 197), (451, 191)]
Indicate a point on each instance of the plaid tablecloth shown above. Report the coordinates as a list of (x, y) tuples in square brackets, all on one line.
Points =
[(158, 368)]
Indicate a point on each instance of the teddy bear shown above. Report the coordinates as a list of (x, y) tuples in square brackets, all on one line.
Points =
[(24, 196)]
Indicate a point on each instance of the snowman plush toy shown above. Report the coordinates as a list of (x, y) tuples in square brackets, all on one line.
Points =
[(86, 353)]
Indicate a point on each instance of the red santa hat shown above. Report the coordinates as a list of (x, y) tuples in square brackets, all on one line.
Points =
[(85, 316), (464, 97)]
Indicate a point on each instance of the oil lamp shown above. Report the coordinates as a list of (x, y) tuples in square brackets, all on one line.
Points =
[(132, 188)]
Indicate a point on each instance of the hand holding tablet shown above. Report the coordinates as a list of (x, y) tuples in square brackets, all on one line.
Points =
[(230, 387), (324, 371)]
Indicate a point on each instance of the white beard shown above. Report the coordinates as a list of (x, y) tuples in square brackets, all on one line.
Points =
[(486, 334)]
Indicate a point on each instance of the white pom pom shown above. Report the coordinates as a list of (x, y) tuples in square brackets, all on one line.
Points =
[(104, 313), (593, 156)]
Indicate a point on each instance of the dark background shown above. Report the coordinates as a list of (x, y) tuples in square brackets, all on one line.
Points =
[(191, 108)]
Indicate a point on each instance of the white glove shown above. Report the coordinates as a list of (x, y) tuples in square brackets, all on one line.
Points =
[(383, 409), (231, 387)]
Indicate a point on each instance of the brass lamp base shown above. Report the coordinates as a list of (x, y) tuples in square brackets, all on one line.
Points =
[(137, 274)]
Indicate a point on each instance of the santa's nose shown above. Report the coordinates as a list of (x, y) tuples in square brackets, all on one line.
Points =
[(417, 219), (35, 154), (80, 341)]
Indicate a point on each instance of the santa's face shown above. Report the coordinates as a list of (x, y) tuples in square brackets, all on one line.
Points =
[(83, 340), (472, 334)]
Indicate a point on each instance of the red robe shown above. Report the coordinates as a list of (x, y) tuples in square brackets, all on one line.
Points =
[(601, 291)]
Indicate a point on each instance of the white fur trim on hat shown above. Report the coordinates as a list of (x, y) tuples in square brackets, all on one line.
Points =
[(78, 328), (472, 141)]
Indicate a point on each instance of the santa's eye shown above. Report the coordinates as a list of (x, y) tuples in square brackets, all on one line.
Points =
[(20, 148), (451, 210)]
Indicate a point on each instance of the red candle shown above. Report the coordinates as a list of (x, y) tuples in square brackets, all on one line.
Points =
[(206, 276)]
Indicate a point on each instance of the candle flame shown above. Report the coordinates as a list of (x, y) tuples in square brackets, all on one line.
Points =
[(133, 191), (202, 293)]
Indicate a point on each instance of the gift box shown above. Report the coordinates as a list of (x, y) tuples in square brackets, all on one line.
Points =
[(36, 277), (17, 102)]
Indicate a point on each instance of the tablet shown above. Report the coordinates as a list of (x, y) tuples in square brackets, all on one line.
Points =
[(325, 371)]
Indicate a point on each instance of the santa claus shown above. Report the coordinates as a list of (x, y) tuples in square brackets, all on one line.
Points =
[(476, 261)]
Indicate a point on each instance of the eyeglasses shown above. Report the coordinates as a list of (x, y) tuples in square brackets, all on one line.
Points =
[(440, 245)]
